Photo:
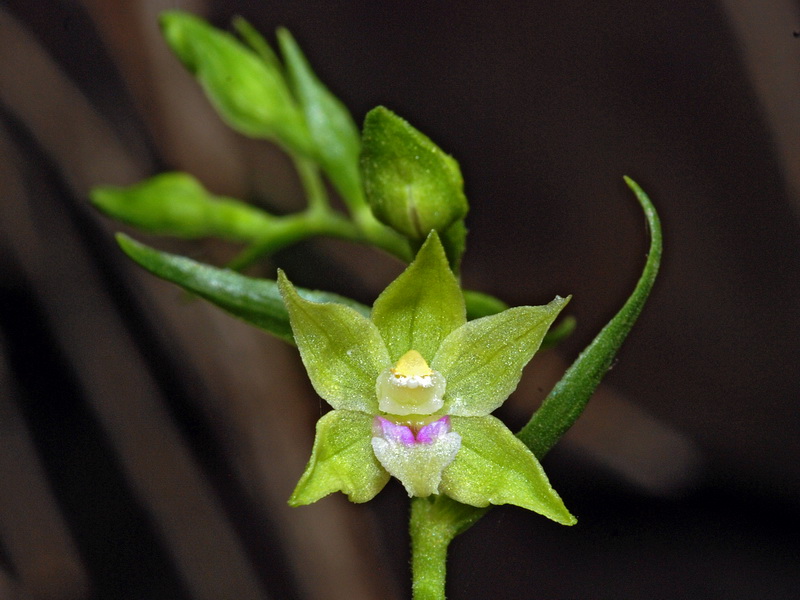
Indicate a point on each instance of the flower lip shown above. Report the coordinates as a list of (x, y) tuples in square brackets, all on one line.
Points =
[(415, 451), (394, 432)]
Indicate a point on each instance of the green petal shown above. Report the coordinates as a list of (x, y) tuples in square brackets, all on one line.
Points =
[(482, 361), (342, 350), (494, 467), (342, 460), (422, 306)]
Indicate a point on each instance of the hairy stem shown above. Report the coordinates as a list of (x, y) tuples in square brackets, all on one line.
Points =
[(430, 538)]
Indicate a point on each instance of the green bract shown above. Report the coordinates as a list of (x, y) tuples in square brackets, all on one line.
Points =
[(456, 449)]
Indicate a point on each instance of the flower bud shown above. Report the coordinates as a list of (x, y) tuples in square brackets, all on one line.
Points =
[(249, 93), (411, 184)]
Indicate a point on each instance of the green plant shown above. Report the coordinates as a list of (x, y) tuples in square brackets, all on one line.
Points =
[(413, 379)]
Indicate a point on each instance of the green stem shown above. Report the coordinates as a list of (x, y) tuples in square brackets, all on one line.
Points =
[(430, 538), (310, 178), (379, 235), (285, 231), (288, 230)]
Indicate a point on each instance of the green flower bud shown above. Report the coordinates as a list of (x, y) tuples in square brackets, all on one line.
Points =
[(249, 93), (177, 204), (411, 184)]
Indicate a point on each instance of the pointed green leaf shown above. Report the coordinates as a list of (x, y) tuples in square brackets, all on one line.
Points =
[(177, 204), (482, 361), (342, 350), (565, 403), (419, 308), (494, 467), (256, 301), (342, 460), (249, 93), (336, 138), (411, 185)]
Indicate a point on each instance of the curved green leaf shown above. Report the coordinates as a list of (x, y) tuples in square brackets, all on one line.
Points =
[(256, 301), (566, 401)]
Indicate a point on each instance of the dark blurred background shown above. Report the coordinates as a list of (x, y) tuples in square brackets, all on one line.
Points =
[(148, 442)]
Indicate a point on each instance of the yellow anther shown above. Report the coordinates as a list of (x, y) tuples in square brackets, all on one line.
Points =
[(411, 387), (411, 364)]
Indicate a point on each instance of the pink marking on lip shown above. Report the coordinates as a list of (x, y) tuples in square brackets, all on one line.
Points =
[(393, 432), (403, 434), (432, 431)]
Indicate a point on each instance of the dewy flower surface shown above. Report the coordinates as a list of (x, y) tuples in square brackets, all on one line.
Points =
[(412, 388)]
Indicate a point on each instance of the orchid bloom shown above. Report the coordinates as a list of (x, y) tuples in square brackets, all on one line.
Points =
[(412, 387)]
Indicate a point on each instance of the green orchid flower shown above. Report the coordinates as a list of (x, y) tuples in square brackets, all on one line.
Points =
[(412, 388)]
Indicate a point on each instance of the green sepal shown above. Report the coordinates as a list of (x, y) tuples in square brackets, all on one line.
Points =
[(342, 350), (411, 185), (494, 467), (560, 332), (342, 460), (256, 301), (250, 94), (177, 204), (422, 306), (483, 360), (482, 305), (336, 138)]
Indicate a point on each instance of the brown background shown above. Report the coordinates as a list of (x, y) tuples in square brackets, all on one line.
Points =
[(148, 443)]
